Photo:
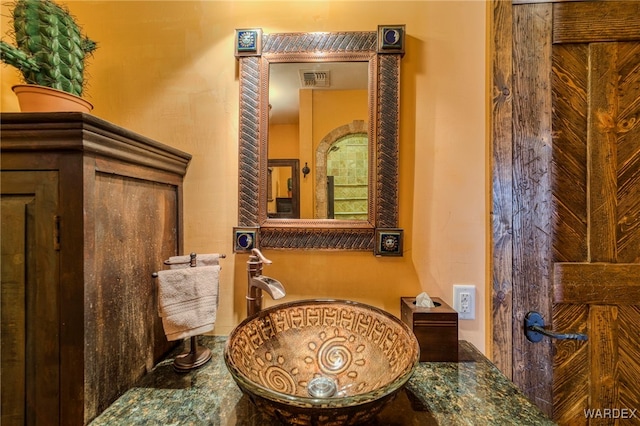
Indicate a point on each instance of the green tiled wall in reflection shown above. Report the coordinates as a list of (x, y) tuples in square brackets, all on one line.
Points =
[(348, 162)]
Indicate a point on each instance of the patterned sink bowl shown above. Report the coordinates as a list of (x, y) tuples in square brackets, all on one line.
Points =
[(325, 362)]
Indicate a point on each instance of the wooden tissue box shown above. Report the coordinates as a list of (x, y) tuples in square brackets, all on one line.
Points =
[(435, 328)]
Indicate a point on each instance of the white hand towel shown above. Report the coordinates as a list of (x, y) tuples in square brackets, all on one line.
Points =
[(188, 300), (179, 262)]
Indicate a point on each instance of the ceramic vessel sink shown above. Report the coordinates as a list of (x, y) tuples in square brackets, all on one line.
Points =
[(321, 361)]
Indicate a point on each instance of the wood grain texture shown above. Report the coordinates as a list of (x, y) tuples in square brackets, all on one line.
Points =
[(591, 283), (570, 366), (30, 301), (628, 370), (596, 273), (603, 354), (128, 247), (501, 188), (594, 210), (12, 314), (532, 196), (569, 168), (74, 131), (570, 78), (628, 153), (601, 148), (97, 324), (593, 21)]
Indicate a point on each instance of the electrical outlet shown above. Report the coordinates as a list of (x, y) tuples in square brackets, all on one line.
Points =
[(464, 301)]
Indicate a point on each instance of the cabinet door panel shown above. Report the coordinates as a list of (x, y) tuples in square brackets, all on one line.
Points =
[(29, 309)]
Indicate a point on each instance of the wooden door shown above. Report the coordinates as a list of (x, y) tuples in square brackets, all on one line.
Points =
[(567, 186), (596, 238), (29, 309)]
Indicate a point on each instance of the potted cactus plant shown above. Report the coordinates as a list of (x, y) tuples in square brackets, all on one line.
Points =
[(50, 53)]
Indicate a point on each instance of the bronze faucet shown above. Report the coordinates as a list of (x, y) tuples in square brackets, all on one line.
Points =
[(258, 282)]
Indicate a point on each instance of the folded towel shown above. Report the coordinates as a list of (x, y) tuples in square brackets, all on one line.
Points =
[(180, 307), (188, 300), (179, 262)]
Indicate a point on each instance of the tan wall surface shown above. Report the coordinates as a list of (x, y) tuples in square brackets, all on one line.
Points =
[(166, 69)]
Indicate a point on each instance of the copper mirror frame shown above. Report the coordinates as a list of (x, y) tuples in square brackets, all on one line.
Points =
[(384, 106)]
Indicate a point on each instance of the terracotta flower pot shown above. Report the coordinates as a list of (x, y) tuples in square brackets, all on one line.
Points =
[(34, 98)]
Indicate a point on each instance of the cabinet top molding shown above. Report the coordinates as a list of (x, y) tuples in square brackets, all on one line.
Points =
[(75, 131)]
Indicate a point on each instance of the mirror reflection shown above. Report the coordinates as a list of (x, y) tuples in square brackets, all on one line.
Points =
[(318, 115), (283, 193)]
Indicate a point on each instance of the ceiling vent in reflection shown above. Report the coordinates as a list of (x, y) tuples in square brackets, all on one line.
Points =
[(315, 78)]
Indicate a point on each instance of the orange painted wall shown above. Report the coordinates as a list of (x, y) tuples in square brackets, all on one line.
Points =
[(330, 109), (337, 108), (167, 70), (283, 141)]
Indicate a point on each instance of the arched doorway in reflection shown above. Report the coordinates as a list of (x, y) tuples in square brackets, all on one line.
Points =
[(342, 177)]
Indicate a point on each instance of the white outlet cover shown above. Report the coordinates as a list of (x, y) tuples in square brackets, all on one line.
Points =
[(458, 290)]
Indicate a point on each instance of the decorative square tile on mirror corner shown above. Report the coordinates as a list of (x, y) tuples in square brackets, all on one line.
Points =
[(391, 38), (245, 239), (248, 42), (389, 242)]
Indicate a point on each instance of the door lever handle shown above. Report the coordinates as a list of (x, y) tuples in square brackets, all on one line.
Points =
[(534, 329)]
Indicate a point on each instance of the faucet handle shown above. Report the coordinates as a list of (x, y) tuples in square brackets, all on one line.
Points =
[(260, 256)]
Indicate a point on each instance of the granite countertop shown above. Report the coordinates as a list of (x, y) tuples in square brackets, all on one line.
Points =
[(470, 392)]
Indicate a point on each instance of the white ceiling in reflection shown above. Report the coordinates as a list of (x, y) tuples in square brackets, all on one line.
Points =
[(285, 81)]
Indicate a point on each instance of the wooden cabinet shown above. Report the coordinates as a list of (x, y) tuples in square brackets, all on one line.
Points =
[(89, 211)]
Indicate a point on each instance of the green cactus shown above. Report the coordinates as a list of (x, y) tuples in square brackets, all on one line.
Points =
[(50, 47)]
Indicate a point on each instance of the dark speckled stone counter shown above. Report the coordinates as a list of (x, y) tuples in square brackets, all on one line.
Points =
[(470, 392)]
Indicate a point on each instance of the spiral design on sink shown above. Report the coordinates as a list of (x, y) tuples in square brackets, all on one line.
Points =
[(333, 356), (278, 379)]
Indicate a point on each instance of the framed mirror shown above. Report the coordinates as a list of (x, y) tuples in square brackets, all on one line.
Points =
[(331, 102)]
